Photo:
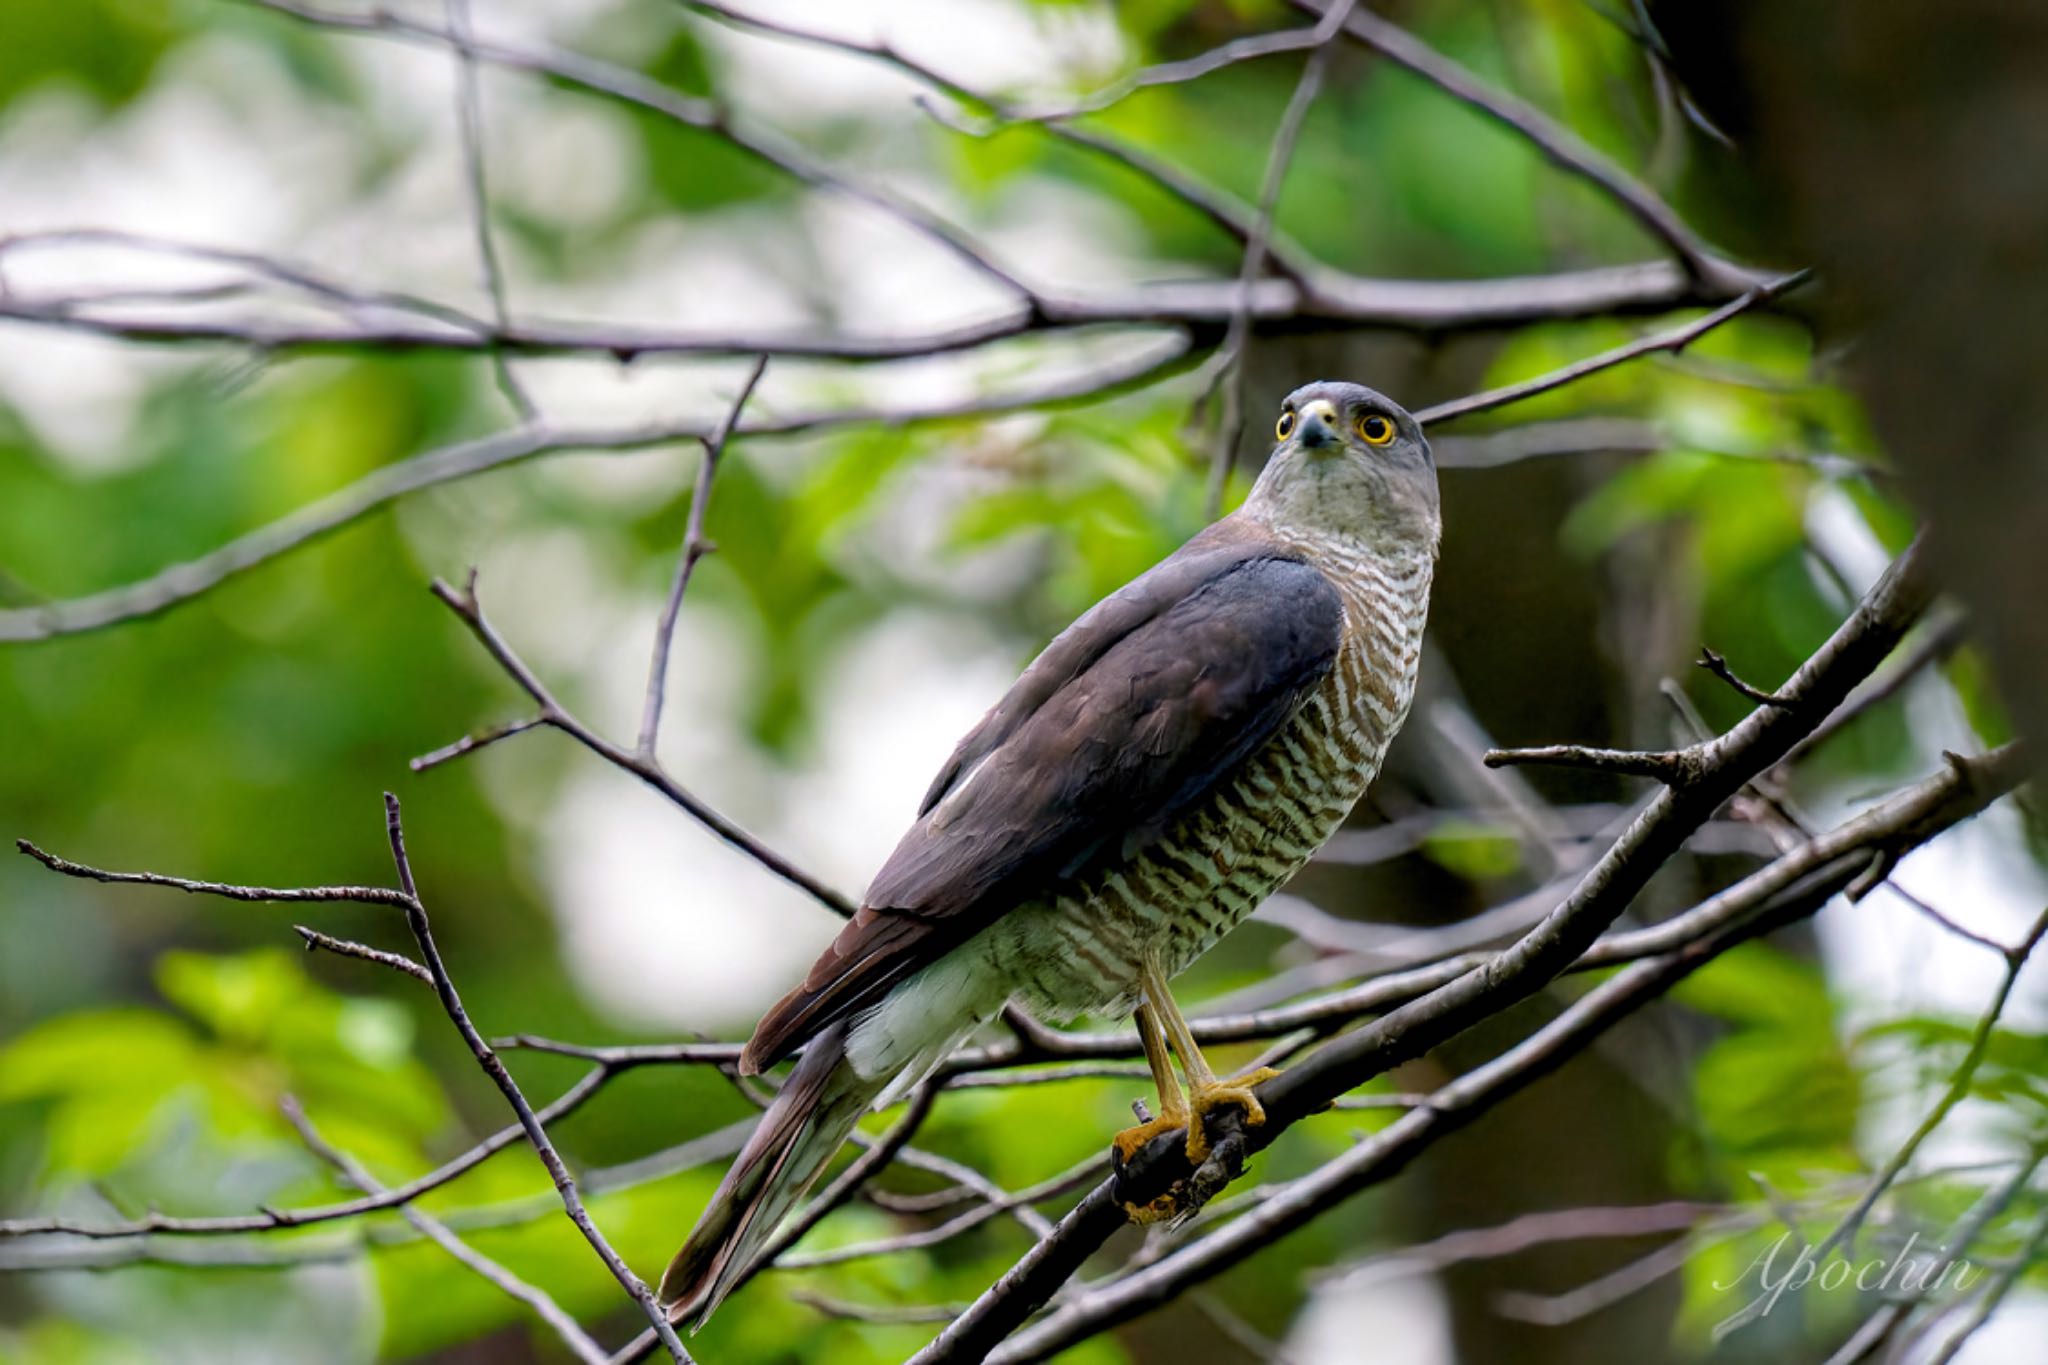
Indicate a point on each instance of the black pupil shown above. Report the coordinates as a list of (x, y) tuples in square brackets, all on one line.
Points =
[(1375, 427)]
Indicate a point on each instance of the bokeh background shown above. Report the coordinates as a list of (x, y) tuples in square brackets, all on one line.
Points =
[(876, 585)]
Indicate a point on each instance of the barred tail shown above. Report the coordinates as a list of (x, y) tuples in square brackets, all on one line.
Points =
[(791, 1145)]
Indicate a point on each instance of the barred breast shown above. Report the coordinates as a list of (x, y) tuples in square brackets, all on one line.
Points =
[(1081, 953)]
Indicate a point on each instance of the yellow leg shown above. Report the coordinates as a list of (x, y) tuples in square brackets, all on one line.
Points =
[(1173, 1106), (1172, 1116), (1206, 1092)]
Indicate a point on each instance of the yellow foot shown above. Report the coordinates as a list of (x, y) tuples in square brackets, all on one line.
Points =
[(1131, 1141), (1238, 1091), (1127, 1145)]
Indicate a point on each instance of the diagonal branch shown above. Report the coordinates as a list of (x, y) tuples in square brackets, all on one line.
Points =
[(494, 1067), (631, 87), (433, 1229), (1671, 340), (1228, 366), (180, 583), (695, 547), (469, 122), (464, 603), (1559, 144)]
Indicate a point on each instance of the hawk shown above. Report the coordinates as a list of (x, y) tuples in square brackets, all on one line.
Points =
[(1168, 762)]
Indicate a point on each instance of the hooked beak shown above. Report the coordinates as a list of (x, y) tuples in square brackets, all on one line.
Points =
[(1318, 425)]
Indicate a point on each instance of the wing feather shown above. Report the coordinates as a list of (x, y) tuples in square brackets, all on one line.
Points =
[(1130, 717)]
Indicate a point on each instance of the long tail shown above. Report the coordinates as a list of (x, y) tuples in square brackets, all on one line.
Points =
[(791, 1145)]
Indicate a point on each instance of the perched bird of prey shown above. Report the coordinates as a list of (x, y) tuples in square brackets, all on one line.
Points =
[(1167, 762)]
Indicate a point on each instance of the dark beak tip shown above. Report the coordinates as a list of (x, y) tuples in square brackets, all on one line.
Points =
[(1315, 432)]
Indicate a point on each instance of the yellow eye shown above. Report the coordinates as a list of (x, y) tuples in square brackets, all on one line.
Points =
[(1376, 429), (1285, 426)]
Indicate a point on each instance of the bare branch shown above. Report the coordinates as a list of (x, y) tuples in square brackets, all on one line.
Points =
[(1545, 1228), (1672, 340), (1228, 371), (1673, 767), (873, 1312), (536, 1133), (1238, 50), (361, 895), (469, 120), (465, 605), (1958, 1089), (355, 1173), (1203, 308), (469, 744), (1563, 147), (182, 582), (346, 948), (1718, 666), (695, 547)]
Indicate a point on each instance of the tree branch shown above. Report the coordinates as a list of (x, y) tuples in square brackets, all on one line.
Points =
[(536, 1133), (1563, 147), (355, 1173), (695, 547), (1672, 340), (182, 582), (1228, 371), (469, 610)]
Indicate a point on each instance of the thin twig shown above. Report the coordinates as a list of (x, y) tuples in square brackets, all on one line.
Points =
[(695, 547), (433, 1229), (1674, 767), (361, 895), (464, 603), (1228, 366), (1958, 1089), (1672, 340), (536, 1133), (469, 122), (1563, 147), (469, 744), (1718, 666), (888, 1313), (342, 947)]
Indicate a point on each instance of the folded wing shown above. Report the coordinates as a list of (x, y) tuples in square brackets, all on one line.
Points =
[(1134, 714)]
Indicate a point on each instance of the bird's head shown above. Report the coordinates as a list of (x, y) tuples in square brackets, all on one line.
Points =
[(1350, 462)]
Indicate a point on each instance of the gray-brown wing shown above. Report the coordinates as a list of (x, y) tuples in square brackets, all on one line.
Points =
[(1133, 715)]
